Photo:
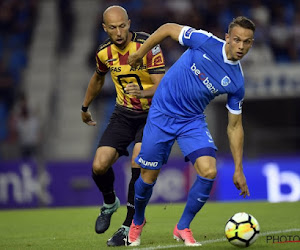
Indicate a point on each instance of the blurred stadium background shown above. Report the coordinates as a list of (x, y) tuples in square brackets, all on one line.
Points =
[(47, 50)]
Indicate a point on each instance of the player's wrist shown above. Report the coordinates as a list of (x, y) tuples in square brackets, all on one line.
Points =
[(84, 108), (140, 53), (239, 170)]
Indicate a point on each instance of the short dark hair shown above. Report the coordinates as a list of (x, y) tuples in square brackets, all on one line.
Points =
[(243, 22)]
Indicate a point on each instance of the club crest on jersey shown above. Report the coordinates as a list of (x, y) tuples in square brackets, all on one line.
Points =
[(225, 81), (188, 33), (157, 60)]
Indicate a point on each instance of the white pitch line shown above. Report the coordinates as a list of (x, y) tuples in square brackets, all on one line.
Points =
[(280, 232), (220, 240)]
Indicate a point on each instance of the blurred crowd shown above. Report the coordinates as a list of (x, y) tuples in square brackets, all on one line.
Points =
[(17, 21), (277, 38)]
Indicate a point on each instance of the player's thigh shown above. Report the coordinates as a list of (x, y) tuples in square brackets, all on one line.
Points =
[(206, 166), (194, 139), (156, 147), (104, 158), (149, 176)]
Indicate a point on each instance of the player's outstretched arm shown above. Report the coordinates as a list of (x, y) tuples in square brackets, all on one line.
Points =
[(235, 134), (166, 30), (93, 89)]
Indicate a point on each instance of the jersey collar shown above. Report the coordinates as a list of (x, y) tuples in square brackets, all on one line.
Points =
[(122, 51), (133, 35), (226, 60)]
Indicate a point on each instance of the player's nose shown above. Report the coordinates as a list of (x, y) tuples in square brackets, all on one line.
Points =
[(118, 31)]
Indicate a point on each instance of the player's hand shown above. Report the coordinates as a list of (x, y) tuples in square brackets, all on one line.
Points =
[(134, 89), (87, 118), (134, 60), (239, 181)]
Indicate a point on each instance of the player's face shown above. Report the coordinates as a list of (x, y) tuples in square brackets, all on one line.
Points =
[(117, 29), (238, 43)]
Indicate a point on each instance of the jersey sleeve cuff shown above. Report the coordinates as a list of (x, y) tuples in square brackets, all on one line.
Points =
[(100, 72), (232, 111), (181, 34)]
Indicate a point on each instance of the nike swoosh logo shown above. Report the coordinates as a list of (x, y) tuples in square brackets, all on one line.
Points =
[(206, 57), (200, 200)]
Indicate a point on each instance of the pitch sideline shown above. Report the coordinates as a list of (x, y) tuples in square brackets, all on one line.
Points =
[(220, 240)]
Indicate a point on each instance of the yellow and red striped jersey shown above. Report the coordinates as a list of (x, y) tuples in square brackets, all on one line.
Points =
[(110, 57)]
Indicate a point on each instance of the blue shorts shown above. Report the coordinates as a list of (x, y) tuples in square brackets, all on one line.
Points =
[(160, 133)]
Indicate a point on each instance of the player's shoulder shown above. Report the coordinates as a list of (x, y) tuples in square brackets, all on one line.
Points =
[(104, 45), (213, 39), (140, 37)]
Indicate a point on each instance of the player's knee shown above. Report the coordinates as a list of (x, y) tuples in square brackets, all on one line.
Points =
[(149, 176), (210, 173), (100, 168)]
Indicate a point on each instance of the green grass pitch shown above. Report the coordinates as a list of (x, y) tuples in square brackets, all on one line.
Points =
[(73, 228)]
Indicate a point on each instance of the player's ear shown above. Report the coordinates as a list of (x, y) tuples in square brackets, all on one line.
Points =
[(227, 38), (104, 27), (129, 22)]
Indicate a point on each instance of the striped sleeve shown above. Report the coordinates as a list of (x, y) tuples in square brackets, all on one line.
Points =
[(155, 61), (101, 68)]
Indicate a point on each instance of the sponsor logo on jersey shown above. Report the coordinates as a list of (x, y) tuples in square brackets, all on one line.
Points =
[(115, 69), (225, 81), (187, 34), (209, 136), (139, 67), (155, 50), (148, 163), (241, 103), (204, 79)]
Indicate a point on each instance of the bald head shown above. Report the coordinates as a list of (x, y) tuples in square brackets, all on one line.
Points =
[(114, 14), (116, 24)]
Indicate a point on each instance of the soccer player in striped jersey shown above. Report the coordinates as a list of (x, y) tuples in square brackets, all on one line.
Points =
[(209, 67), (135, 87)]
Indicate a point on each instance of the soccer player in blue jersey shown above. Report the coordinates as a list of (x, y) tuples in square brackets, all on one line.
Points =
[(208, 68)]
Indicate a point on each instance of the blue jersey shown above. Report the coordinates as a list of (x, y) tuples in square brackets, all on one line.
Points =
[(199, 75)]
